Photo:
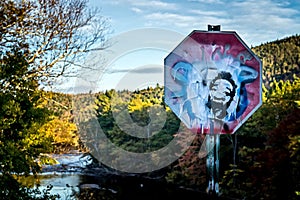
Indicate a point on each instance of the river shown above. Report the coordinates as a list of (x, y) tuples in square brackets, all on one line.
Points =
[(71, 179), (77, 186)]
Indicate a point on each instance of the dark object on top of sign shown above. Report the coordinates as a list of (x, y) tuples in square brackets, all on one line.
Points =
[(214, 27)]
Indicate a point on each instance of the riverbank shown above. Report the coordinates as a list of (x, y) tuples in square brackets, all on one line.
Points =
[(79, 176)]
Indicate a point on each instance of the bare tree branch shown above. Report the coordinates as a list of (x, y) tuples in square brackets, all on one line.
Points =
[(55, 33)]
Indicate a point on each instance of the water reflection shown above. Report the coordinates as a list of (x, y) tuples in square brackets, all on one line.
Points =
[(66, 186), (109, 187), (74, 186)]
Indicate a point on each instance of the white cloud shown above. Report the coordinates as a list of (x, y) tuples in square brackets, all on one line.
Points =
[(259, 21), (209, 13), (265, 8), (137, 10), (208, 1), (170, 19), (153, 4), (160, 5), (263, 21), (115, 2), (186, 22)]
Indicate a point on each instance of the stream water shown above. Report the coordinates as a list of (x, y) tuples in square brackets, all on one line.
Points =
[(71, 179), (78, 186), (71, 186)]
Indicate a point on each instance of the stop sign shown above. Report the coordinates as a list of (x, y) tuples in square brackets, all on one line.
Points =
[(212, 76)]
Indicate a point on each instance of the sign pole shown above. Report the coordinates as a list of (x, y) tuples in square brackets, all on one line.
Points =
[(217, 162), (213, 148), (212, 160), (213, 84)]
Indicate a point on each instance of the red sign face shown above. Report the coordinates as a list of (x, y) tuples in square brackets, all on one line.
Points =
[(213, 77)]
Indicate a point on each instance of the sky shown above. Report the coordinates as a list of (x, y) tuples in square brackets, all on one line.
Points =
[(145, 32)]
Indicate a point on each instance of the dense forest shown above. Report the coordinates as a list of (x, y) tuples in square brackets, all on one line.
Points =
[(281, 59), (260, 161)]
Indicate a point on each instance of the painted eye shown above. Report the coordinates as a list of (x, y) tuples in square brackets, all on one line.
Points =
[(227, 93)]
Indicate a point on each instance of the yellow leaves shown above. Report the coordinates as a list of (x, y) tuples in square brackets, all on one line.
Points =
[(294, 145), (245, 151), (264, 93), (43, 102), (283, 91), (297, 103), (138, 103), (234, 170), (62, 132), (45, 159)]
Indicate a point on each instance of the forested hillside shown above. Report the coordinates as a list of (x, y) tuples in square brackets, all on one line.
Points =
[(281, 59), (260, 161)]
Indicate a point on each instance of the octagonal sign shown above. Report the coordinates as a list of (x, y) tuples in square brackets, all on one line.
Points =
[(213, 77)]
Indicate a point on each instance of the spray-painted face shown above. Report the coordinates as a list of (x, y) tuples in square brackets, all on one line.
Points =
[(220, 91)]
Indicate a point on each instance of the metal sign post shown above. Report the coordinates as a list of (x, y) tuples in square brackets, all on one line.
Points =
[(213, 84), (213, 149), (212, 160)]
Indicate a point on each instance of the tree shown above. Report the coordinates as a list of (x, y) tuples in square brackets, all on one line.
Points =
[(55, 32), (20, 118), (268, 168), (39, 40)]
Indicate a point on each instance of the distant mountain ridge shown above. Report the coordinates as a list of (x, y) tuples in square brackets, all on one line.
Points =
[(280, 58)]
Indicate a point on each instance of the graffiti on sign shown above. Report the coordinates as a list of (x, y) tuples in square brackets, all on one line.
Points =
[(207, 81)]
